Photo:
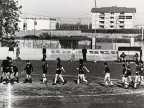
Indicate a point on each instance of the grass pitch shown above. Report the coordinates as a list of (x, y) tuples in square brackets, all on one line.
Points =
[(71, 95)]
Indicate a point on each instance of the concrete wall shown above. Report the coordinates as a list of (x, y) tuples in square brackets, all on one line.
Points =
[(70, 33)]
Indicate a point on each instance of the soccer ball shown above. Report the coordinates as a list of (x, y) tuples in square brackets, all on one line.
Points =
[(95, 61)]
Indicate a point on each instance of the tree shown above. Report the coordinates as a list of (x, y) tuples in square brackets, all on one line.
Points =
[(9, 17)]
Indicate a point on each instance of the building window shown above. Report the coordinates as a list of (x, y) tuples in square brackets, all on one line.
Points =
[(102, 18), (111, 17), (121, 13), (111, 21), (121, 17), (122, 27), (101, 22), (101, 26), (128, 17), (121, 22), (111, 26)]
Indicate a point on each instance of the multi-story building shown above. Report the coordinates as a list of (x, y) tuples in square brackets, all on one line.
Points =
[(37, 24), (113, 17)]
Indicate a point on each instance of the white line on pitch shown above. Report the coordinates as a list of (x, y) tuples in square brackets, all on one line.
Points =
[(97, 95), (9, 96)]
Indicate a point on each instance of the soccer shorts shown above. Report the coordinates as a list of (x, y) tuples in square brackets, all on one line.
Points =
[(28, 72), (81, 76), (107, 76)]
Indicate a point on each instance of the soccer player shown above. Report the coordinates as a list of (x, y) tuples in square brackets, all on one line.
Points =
[(136, 56), (18, 53), (125, 80), (4, 68), (59, 72), (123, 57), (10, 75), (15, 70), (73, 56), (44, 53), (81, 72), (107, 75), (11, 51), (137, 77), (84, 51), (141, 71), (129, 73), (44, 68), (124, 71), (29, 70)]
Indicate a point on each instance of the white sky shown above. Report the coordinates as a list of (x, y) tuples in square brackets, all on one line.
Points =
[(77, 8)]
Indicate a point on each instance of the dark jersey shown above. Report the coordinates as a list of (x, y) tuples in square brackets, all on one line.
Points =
[(107, 70), (128, 70), (124, 70), (44, 51), (29, 68), (84, 51), (59, 66), (81, 69), (137, 68), (123, 55), (5, 63), (15, 69), (44, 66)]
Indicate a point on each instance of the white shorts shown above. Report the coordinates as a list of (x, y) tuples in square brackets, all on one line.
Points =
[(137, 79), (107, 76), (81, 76)]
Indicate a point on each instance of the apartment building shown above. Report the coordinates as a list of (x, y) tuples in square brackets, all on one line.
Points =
[(37, 24), (113, 18)]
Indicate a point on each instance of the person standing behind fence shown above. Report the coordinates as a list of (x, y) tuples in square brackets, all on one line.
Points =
[(17, 53), (44, 53), (84, 51), (11, 51), (73, 56)]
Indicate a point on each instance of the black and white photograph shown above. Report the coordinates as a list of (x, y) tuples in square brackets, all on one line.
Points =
[(71, 54)]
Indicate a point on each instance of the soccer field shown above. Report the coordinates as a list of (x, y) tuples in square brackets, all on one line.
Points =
[(70, 95)]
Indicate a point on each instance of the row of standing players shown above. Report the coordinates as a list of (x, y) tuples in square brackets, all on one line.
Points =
[(139, 75), (9, 71)]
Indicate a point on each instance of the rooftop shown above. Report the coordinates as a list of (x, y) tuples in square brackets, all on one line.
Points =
[(114, 9)]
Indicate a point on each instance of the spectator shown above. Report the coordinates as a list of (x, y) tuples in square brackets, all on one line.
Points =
[(17, 53), (84, 51), (123, 57), (136, 56), (44, 53), (11, 51), (73, 56)]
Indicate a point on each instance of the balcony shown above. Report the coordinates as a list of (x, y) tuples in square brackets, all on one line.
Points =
[(121, 24), (101, 15), (111, 19), (101, 24), (121, 20)]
